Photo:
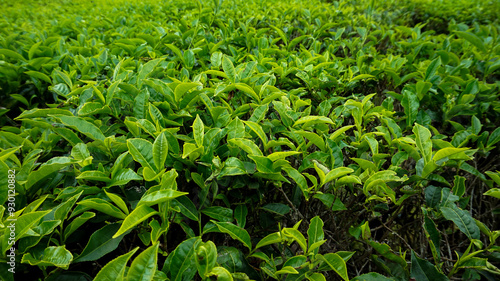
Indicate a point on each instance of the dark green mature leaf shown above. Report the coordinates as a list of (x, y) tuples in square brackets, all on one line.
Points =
[(53, 165), (423, 270), (101, 243), (235, 232), (219, 213), (187, 207), (180, 264), (462, 220), (372, 276), (473, 39), (277, 208), (82, 126)]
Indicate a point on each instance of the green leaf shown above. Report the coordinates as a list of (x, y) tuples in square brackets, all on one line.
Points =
[(313, 138), (143, 267), (115, 269), (183, 88), (247, 145), (270, 239), (247, 90), (228, 68), (336, 173), (180, 264), (118, 201), (37, 112), (494, 192), (287, 270), (362, 76), (103, 206), (51, 256), (142, 152), (160, 196), (219, 213), (432, 68), (138, 215), (140, 102), (62, 210), (281, 34), (187, 207), (39, 75), (339, 132), (124, 176), (462, 219), (315, 232), (94, 176), (111, 91), (422, 89), (221, 273), (160, 151), (372, 276), (146, 70), (206, 257), (494, 137), (423, 270), (451, 153), (240, 214), (277, 208), (198, 131), (434, 236), (310, 120), (423, 141), (328, 201), (473, 39), (336, 263), (297, 236), (411, 104), (101, 243), (12, 54), (233, 167), (235, 232), (53, 165), (316, 277), (76, 223), (82, 126), (264, 164), (236, 129), (258, 130)]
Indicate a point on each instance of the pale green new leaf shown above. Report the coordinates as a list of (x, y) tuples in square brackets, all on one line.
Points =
[(52, 256), (198, 131), (160, 151), (423, 141), (143, 267), (138, 215), (115, 269)]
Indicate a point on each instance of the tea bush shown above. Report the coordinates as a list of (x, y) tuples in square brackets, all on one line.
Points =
[(249, 140)]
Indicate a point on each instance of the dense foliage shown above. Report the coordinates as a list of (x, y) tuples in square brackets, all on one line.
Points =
[(250, 140)]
